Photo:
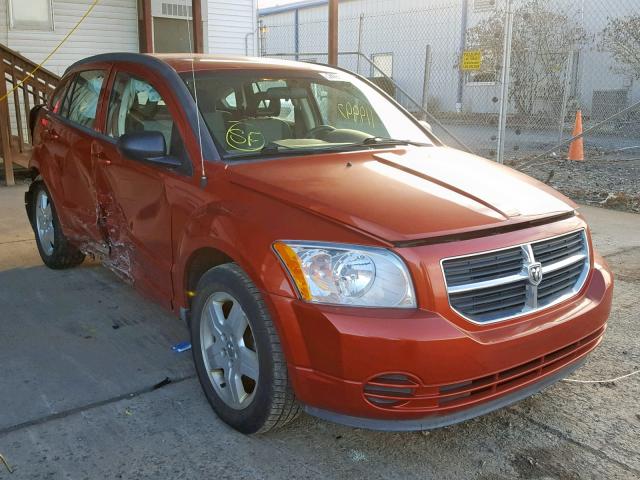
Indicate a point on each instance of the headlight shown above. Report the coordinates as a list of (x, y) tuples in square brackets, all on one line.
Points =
[(346, 275)]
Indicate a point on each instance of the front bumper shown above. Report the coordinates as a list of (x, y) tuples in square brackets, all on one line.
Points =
[(445, 373)]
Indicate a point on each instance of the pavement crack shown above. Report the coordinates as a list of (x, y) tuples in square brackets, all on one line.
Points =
[(17, 241), (89, 406), (598, 453)]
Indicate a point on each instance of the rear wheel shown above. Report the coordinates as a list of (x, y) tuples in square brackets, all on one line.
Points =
[(237, 353), (56, 252)]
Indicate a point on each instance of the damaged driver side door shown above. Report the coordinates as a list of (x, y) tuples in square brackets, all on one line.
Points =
[(135, 210)]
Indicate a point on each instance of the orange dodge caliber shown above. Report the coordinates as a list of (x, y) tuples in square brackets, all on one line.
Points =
[(328, 253)]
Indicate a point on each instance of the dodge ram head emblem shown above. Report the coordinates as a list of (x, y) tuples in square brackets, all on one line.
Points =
[(535, 273)]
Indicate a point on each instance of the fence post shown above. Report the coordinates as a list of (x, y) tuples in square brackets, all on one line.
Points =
[(463, 41), (5, 128), (504, 88), (359, 41), (565, 97), (427, 78)]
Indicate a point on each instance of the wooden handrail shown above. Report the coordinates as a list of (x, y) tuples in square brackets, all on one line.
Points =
[(32, 89)]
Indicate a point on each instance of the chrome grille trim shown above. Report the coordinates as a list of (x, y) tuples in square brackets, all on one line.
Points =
[(563, 261)]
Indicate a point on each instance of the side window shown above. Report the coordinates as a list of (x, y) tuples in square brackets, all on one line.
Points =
[(81, 102), (135, 106), (55, 104)]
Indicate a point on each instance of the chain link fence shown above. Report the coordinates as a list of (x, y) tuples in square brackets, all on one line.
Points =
[(444, 61)]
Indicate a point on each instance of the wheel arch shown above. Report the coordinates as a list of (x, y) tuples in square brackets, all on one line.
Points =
[(198, 263)]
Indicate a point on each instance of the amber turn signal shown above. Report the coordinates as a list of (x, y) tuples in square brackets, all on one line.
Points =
[(292, 262)]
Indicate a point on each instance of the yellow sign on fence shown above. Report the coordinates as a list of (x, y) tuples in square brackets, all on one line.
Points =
[(471, 59)]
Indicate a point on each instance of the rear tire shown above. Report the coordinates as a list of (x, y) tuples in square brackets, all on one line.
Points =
[(234, 340), (55, 250)]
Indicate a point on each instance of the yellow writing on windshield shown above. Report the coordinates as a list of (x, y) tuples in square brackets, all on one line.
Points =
[(242, 136), (356, 113)]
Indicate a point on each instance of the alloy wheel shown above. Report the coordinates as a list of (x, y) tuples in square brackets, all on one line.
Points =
[(229, 350), (44, 222)]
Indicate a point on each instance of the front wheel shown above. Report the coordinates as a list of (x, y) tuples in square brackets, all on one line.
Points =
[(56, 252), (237, 353)]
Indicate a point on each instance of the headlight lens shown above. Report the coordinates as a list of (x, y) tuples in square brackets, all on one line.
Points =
[(346, 275)]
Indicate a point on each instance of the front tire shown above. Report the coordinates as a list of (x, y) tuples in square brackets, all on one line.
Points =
[(55, 250), (237, 353)]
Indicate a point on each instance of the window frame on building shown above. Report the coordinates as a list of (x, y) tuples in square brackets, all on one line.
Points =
[(376, 70), (21, 24)]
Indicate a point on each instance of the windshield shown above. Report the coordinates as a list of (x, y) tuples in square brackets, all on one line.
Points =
[(253, 113)]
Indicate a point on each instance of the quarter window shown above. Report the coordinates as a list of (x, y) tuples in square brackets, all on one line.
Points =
[(56, 100), (81, 102)]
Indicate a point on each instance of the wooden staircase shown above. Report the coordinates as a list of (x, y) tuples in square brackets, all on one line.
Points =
[(15, 135)]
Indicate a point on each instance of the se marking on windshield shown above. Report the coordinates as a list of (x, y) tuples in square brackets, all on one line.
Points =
[(239, 136)]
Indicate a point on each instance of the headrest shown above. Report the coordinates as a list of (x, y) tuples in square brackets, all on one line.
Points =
[(264, 105)]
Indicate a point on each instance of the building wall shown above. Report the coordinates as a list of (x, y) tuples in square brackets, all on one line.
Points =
[(230, 25), (406, 28), (111, 27), (385, 28), (3, 21)]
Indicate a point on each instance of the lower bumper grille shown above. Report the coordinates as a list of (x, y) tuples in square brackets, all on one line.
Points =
[(444, 397), (496, 286)]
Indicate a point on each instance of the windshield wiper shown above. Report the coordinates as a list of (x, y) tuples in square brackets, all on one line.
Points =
[(273, 148), (383, 142)]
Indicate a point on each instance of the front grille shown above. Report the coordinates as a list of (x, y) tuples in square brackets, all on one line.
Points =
[(384, 392), (495, 286)]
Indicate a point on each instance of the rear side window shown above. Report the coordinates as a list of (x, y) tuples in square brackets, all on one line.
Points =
[(56, 100), (81, 102)]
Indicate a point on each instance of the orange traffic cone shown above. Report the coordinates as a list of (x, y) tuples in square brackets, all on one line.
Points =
[(576, 149)]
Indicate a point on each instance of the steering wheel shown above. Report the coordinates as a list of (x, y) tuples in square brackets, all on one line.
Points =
[(315, 131)]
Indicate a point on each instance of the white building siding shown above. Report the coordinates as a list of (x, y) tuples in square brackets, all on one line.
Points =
[(228, 24), (3, 21), (111, 27)]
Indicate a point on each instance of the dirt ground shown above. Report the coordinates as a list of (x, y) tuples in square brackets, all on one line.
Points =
[(609, 180), (81, 353)]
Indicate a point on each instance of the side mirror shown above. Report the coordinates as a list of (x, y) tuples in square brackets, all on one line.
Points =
[(426, 126), (147, 147)]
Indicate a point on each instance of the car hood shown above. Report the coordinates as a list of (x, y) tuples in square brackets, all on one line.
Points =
[(405, 194)]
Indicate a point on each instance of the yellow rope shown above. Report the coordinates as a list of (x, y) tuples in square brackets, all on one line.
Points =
[(41, 64)]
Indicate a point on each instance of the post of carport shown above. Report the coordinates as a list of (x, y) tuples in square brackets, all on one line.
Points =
[(333, 32)]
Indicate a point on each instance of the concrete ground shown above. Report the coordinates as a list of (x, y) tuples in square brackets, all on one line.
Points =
[(80, 353)]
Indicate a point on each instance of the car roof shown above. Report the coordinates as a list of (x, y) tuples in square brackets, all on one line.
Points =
[(183, 62)]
